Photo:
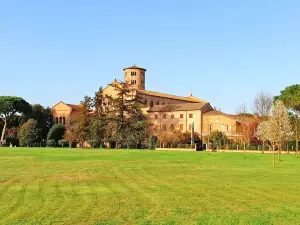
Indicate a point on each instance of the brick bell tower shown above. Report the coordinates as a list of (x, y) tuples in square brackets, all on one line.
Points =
[(135, 76)]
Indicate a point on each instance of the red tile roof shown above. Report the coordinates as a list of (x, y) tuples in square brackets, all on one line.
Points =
[(134, 67)]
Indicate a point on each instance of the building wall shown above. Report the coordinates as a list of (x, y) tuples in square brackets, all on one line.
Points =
[(62, 110), (137, 76), (219, 123), (159, 100), (164, 120)]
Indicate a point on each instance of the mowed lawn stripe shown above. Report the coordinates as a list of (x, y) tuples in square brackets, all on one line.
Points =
[(92, 186)]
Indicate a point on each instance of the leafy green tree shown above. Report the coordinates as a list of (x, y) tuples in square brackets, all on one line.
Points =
[(125, 113), (290, 97), (9, 106), (56, 132), (43, 117), (29, 133), (217, 139)]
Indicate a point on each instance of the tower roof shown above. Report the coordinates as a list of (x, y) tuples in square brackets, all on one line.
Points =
[(135, 67)]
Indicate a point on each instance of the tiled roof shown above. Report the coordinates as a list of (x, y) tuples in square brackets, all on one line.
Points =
[(158, 94), (177, 107), (245, 120), (135, 67), (74, 107)]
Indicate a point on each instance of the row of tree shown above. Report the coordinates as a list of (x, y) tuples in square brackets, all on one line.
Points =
[(18, 119)]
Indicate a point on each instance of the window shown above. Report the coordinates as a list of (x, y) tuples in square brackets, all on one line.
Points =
[(133, 81), (181, 116), (163, 103), (60, 120), (181, 126), (190, 115), (164, 127), (190, 126), (210, 127), (172, 127), (156, 117), (151, 104), (145, 102), (64, 120), (165, 116), (56, 119), (172, 116), (133, 73), (157, 103)]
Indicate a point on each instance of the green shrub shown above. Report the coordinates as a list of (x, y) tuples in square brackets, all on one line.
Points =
[(12, 140), (63, 143), (152, 142), (51, 143)]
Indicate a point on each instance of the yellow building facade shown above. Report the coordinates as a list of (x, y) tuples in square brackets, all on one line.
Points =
[(165, 111)]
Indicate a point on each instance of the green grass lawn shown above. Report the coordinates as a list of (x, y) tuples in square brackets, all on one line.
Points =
[(79, 186)]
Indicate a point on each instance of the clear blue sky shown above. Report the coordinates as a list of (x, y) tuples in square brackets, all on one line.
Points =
[(222, 51)]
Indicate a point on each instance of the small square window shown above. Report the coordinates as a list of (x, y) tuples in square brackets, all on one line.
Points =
[(190, 115), (181, 116), (156, 116), (181, 126), (172, 116), (165, 116)]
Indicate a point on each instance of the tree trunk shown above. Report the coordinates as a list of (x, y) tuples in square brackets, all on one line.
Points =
[(273, 155), (297, 145), (263, 147), (3, 131), (279, 151)]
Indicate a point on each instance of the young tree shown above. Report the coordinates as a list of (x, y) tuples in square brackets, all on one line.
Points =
[(69, 136), (81, 126), (30, 134), (277, 129), (262, 104), (56, 133), (9, 106)]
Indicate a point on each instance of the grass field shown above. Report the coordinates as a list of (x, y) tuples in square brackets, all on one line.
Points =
[(63, 186)]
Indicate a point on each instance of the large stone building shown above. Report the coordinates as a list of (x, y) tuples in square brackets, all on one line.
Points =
[(165, 111)]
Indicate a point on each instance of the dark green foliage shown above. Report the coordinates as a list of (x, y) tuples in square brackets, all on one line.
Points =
[(152, 142), (43, 117), (245, 115), (12, 140), (290, 97), (29, 133), (9, 106), (56, 132), (217, 139), (63, 143), (51, 143), (126, 122)]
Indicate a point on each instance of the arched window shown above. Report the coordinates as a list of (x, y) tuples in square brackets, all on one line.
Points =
[(64, 120), (151, 104), (60, 120), (56, 119), (157, 103), (145, 102)]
